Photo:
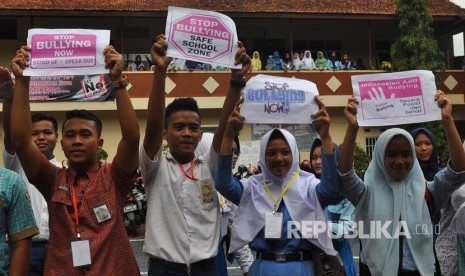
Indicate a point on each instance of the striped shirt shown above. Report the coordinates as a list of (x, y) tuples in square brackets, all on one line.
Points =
[(102, 187)]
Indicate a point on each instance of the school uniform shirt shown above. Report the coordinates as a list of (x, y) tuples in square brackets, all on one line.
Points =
[(16, 217), (100, 194), (183, 216), (380, 198), (39, 205)]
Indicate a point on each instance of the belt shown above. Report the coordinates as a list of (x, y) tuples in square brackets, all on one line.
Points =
[(40, 242), (197, 266), (285, 257)]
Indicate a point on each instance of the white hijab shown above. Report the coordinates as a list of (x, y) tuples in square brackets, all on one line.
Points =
[(308, 61), (301, 199), (387, 200)]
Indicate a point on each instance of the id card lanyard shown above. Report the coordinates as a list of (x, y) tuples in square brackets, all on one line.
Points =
[(76, 212), (274, 219), (80, 248), (191, 177), (283, 192)]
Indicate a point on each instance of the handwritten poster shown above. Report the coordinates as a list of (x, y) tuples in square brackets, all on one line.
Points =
[(279, 100), (202, 36), (66, 52), (396, 98)]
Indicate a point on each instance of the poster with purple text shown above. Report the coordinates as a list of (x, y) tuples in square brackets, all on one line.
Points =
[(278, 100), (396, 98), (66, 52), (202, 36)]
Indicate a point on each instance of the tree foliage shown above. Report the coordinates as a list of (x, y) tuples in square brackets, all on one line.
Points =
[(361, 161), (102, 155), (416, 47)]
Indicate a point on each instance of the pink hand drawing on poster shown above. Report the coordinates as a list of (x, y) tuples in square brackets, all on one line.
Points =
[(378, 102), (391, 98)]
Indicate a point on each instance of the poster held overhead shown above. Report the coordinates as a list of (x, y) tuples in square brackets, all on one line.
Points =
[(279, 100), (202, 36), (66, 52), (396, 98)]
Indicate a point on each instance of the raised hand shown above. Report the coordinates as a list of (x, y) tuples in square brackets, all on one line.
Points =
[(114, 62), (444, 103), (20, 61), (350, 111), (241, 57), (158, 53), (378, 102), (321, 119), (6, 82), (235, 120)]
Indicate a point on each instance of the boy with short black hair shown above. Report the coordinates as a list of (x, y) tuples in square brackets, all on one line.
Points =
[(85, 200), (182, 228), (44, 135)]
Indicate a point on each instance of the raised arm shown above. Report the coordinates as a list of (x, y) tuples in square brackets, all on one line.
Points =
[(347, 149), (457, 155), (156, 106), (127, 155), (229, 187), (6, 90), (21, 135), (234, 93), (329, 189), (352, 185)]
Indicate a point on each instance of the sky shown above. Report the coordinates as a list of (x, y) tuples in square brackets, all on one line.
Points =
[(460, 3)]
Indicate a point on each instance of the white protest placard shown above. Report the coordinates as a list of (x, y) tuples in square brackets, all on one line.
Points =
[(202, 36), (396, 98), (66, 52), (278, 100)]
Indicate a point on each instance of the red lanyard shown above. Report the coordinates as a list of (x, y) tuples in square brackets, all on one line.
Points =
[(76, 211), (191, 177)]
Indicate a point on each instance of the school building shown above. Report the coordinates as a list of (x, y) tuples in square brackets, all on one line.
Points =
[(360, 28)]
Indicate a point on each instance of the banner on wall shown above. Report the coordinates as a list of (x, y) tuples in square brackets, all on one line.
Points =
[(202, 36), (70, 88), (396, 98), (66, 51)]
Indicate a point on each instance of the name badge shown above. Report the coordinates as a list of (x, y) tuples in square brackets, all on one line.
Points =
[(102, 213), (81, 253), (207, 192), (273, 225)]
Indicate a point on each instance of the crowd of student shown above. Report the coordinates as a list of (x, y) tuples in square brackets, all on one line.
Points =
[(193, 200), (299, 61)]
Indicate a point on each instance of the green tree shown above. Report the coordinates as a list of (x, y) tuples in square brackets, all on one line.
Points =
[(102, 155), (415, 48), (361, 161)]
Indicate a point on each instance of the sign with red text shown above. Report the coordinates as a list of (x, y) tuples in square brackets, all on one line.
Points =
[(396, 98), (202, 36), (279, 100), (66, 52)]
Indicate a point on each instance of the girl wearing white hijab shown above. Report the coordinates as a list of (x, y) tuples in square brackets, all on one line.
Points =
[(296, 62), (282, 202), (393, 194), (308, 62)]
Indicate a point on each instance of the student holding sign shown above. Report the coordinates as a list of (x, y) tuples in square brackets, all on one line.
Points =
[(281, 211), (85, 200), (183, 219), (393, 193)]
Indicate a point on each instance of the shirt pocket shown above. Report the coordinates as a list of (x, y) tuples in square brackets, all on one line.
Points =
[(208, 195), (103, 207)]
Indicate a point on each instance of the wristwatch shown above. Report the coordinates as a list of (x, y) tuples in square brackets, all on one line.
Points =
[(122, 83)]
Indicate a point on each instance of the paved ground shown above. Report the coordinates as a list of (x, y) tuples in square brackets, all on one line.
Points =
[(233, 269)]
